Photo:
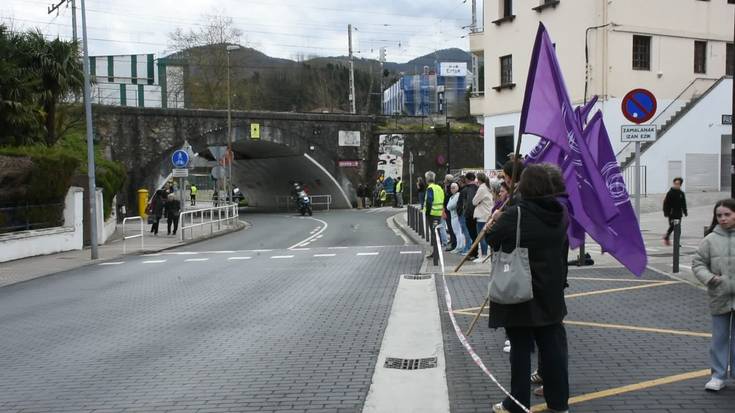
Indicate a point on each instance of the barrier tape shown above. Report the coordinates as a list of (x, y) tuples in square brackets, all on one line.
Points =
[(462, 338)]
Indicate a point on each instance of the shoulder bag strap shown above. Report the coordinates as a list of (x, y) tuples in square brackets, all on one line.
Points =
[(518, 229)]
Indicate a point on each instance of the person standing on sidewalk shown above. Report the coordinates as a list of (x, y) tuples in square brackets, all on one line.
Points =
[(398, 199), (434, 206), (714, 266), (452, 207), (193, 195), (156, 209), (469, 213), (172, 212), (675, 206), (421, 190), (483, 202)]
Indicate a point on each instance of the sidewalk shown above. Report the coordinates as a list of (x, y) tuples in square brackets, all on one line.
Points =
[(34, 267)]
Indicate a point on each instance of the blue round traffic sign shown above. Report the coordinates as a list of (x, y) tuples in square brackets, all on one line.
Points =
[(180, 159), (639, 106)]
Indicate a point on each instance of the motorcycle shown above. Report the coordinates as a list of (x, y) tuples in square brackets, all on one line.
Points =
[(304, 203)]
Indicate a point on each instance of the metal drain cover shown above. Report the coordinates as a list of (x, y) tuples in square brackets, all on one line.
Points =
[(417, 277), (410, 364)]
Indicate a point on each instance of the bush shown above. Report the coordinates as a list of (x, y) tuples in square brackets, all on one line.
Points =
[(53, 170)]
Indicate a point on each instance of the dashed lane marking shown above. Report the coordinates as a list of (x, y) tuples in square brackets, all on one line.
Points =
[(300, 249), (637, 328), (281, 257), (112, 263), (337, 248), (410, 252), (239, 258), (362, 254), (325, 255), (154, 262), (196, 259), (262, 250), (313, 235)]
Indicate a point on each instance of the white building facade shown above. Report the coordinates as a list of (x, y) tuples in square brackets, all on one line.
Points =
[(680, 50)]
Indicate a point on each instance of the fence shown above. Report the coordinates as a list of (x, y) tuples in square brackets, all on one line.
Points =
[(127, 237), (287, 202), (629, 176), (27, 217), (207, 216)]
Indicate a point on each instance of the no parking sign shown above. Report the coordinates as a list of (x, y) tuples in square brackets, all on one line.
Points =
[(639, 106)]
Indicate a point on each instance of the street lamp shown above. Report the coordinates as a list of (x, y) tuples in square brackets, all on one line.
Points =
[(229, 157)]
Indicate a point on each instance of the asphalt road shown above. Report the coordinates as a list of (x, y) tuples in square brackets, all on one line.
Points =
[(237, 323)]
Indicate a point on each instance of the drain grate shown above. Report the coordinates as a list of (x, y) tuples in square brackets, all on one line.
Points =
[(410, 364), (417, 277)]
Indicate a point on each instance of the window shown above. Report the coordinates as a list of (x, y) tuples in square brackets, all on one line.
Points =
[(507, 8), (641, 52), (506, 70), (700, 57), (730, 59)]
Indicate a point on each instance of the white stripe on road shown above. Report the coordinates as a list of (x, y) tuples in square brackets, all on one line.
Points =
[(300, 249), (182, 253), (262, 250), (239, 258), (196, 259), (112, 263), (411, 252), (281, 257), (325, 255), (313, 236), (154, 262), (366, 253), (337, 248)]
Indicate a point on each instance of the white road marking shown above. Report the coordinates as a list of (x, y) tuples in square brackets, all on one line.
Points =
[(325, 255), (112, 263), (411, 252), (280, 257), (337, 248), (313, 236), (366, 253), (239, 258), (154, 262), (300, 249), (262, 250), (196, 259), (319, 236), (182, 253), (151, 255)]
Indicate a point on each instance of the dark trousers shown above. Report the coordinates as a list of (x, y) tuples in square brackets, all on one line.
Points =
[(193, 199), (172, 221), (671, 228), (154, 227), (472, 227), (553, 356), (450, 231)]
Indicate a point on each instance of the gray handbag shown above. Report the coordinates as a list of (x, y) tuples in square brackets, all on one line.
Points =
[(510, 276)]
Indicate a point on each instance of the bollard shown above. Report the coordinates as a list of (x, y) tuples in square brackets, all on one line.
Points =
[(677, 240), (142, 203), (434, 243)]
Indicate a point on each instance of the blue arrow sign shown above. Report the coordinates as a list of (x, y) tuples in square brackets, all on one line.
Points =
[(180, 159)]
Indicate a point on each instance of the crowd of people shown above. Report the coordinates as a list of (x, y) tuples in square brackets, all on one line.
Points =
[(385, 192)]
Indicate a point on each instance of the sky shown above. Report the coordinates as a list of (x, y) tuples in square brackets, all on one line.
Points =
[(279, 28)]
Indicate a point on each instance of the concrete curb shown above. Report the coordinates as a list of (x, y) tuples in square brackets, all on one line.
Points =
[(408, 231)]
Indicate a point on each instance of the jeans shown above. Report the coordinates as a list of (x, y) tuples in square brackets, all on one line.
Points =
[(483, 243), (722, 350), (553, 355), (465, 235), (457, 227), (472, 229), (443, 231)]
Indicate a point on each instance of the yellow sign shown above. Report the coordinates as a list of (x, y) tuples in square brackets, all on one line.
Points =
[(254, 131)]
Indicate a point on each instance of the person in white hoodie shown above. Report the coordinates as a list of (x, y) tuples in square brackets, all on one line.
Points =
[(714, 266), (452, 208), (483, 202)]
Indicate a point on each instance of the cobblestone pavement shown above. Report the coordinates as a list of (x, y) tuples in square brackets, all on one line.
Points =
[(205, 330), (623, 333)]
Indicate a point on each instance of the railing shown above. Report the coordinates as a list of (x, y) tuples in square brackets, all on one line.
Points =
[(629, 176), (127, 237), (287, 202), (27, 217), (694, 90), (207, 216)]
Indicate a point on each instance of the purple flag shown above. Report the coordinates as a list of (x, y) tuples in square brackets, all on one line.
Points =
[(583, 112), (627, 246)]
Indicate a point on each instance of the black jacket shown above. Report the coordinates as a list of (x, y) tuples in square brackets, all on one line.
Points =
[(469, 193), (675, 204), (543, 232), (172, 209)]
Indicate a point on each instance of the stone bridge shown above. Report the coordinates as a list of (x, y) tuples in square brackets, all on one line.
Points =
[(292, 147)]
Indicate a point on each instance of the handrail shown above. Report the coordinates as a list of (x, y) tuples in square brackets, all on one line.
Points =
[(231, 212), (142, 230)]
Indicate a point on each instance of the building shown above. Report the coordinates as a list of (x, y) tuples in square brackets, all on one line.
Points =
[(136, 80), (678, 49), (430, 93)]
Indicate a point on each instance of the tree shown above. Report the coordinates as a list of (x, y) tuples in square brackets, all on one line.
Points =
[(203, 53)]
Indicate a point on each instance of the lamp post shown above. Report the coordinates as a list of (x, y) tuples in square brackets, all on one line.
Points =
[(229, 157)]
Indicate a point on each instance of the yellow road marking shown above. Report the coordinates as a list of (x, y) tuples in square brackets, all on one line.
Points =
[(615, 290), (630, 388), (636, 328)]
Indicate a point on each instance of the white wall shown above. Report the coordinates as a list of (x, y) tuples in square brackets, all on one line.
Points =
[(24, 244), (700, 132)]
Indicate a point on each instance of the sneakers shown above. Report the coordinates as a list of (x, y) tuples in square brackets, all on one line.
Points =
[(714, 384), (499, 408), (478, 260)]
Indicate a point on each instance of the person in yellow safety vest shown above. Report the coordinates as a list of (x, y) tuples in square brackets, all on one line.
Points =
[(193, 195), (434, 205), (383, 196), (398, 198)]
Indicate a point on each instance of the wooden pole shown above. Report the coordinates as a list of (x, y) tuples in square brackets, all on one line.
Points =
[(477, 316)]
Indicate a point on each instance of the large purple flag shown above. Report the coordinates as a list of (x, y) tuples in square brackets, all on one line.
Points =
[(548, 113), (583, 112), (627, 246)]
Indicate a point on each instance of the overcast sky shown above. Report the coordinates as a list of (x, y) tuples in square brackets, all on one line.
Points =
[(280, 28)]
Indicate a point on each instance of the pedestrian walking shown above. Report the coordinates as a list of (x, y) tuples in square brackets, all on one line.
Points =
[(360, 195), (172, 211), (543, 232), (469, 213), (434, 206), (452, 207), (483, 202), (675, 207), (421, 190), (193, 195), (398, 199), (155, 210), (714, 266), (449, 237), (383, 196)]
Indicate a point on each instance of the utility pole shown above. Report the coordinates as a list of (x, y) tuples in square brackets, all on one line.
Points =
[(352, 71), (90, 140), (732, 140), (228, 157), (74, 20), (382, 61)]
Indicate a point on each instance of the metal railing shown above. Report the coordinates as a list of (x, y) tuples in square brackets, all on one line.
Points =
[(28, 217), (207, 216), (287, 202), (629, 176), (127, 237)]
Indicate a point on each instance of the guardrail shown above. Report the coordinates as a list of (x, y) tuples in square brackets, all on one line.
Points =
[(126, 237), (207, 216), (287, 202)]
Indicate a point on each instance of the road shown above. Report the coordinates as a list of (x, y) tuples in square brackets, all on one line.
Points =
[(287, 315)]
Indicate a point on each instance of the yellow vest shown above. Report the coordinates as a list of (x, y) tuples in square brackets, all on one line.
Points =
[(399, 186), (193, 190), (438, 206)]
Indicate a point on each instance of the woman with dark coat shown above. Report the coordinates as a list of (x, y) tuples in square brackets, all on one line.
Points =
[(543, 232), (156, 209), (173, 210)]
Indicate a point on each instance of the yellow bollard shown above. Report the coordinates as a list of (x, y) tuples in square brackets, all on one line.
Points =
[(142, 203)]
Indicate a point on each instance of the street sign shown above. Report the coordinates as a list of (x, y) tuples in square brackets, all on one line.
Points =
[(180, 159), (639, 106), (254, 131), (180, 173), (218, 172), (639, 133)]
